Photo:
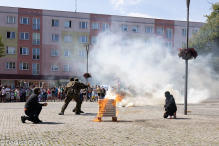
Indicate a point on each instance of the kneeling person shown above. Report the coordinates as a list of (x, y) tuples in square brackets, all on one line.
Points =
[(33, 108), (170, 105)]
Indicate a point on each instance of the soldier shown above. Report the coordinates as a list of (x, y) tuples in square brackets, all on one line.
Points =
[(72, 92)]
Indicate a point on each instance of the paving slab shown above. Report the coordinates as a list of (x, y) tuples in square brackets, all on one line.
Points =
[(143, 125)]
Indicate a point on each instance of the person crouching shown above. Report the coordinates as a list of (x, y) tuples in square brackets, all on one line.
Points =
[(33, 108), (170, 106)]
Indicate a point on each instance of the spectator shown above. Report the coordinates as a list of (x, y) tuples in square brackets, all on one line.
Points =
[(7, 92), (89, 93), (45, 93), (28, 92), (103, 92), (81, 94), (23, 94), (17, 95), (56, 92), (99, 92), (49, 95), (12, 95), (3, 94), (5, 85), (93, 96), (12, 86)]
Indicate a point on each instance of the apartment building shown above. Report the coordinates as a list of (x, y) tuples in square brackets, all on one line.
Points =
[(46, 46)]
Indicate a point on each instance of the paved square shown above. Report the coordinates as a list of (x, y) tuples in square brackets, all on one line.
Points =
[(136, 126)]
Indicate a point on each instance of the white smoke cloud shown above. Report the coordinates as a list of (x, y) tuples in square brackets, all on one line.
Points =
[(150, 70), (140, 15)]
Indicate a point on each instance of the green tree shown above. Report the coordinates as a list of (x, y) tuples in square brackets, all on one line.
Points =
[(57, 83), (2, 49), (207, 39)]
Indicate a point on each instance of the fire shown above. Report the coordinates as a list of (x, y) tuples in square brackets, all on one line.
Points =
[(102, 106), (118, 99)]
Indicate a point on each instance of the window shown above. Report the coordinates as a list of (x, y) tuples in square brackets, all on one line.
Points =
[(36, 24), (54, 52), (55, 22), (36, 69), (93, 40), (194, 31), (160, 30), (184, 32), (82, 24), (134, 28), (106, 27), (82, 54), (67, 53), (24, 35), (10, 19), (55, 37), (149, 29), (24, 20), (169, 32), (169, 46), (95, 25), (10, 35), (10, 50), (67, 67), (36, 53), (10, 65), (55, 67), (67, 38), (82, 67), (67, 24), (24, 66), (83, 39), (124, 27), (24, 51), (36, 38)]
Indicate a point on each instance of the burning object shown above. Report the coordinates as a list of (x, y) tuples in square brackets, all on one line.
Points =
[(107, 108)]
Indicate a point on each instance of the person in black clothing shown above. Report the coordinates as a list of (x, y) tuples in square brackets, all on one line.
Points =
[(32, 107), (170, 105)]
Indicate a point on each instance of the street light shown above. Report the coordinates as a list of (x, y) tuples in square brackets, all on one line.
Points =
[(187, 46), (87, 49)]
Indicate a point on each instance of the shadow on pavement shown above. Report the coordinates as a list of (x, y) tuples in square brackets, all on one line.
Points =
[(88, 114), (52, 123), (182, 119)]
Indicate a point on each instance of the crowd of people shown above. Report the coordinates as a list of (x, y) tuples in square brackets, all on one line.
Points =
[(10, 93)]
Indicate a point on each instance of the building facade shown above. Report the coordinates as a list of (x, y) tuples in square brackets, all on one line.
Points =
[(46, 46)]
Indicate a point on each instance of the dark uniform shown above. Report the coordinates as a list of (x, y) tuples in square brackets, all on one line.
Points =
[(170, 105), (32, 107), (72, 91)]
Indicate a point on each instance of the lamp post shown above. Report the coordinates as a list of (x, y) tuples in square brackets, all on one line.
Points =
[(187, 46), (87, 49)]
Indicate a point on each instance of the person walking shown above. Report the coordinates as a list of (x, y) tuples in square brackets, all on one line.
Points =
[(72, 92)]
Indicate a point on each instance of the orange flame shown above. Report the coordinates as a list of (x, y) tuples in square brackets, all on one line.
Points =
[(102, 105)]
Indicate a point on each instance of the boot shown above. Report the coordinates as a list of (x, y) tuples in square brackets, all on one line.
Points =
[(77, 113), (61, 113), (23, 118)]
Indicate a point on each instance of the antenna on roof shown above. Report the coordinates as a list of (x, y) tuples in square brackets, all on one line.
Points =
[(75, 5)]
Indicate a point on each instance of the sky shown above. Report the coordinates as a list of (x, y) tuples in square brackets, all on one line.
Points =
[(161, 9)]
